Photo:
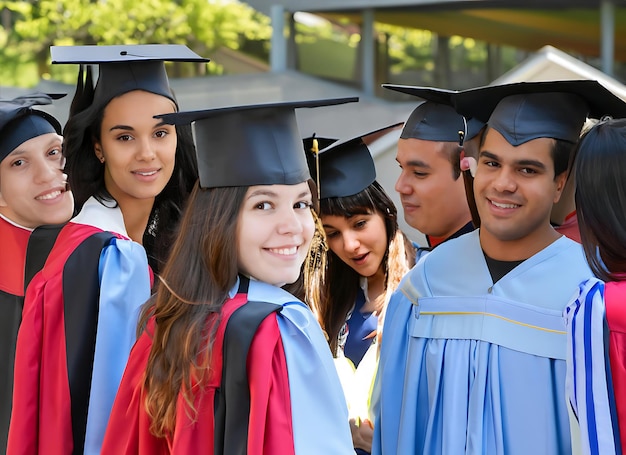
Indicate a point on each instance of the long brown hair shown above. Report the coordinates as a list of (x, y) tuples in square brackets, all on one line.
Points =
[(340, 283), (194, 284)]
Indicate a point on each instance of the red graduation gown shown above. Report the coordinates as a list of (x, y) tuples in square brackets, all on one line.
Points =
[(269, 427), (55, 347), (615, 302), (13, 244)]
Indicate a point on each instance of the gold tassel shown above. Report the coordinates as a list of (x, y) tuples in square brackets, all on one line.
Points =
[(315, 266), (316, 151)]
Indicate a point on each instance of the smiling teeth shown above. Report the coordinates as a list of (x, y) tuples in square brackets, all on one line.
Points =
[(285, 251), (146, 174), (51, 195), (504, 206)]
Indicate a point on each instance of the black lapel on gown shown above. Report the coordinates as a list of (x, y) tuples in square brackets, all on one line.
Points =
[(232, 400), (10, 319), (81, 291), (40, 243)]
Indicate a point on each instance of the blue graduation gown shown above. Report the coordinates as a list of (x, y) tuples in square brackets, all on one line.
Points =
[(469, 366)]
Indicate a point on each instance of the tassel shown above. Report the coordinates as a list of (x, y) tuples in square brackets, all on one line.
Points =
[(315, 266)]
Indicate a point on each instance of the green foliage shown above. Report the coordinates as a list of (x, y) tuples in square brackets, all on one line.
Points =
[(29, 28), (409, 49)]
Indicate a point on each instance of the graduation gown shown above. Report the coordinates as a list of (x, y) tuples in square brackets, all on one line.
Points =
[(469, 366), (14, 240), (296, 404), (596, 373), (78, 326)]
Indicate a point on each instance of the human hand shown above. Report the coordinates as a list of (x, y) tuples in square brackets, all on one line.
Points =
[(362, 434)]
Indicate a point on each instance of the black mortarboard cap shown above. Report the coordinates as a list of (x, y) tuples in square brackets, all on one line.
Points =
[(525, 111), (249, 145), (125, 68), (19, 122), (347, 167), (423, 124)]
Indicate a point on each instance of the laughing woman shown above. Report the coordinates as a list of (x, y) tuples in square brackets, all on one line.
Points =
[(229, 362), (130, 174)]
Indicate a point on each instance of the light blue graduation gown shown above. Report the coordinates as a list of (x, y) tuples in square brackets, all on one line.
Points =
[(472, 367), (318, 408)]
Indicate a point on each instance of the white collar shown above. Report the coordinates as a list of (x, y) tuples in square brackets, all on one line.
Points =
[(97, 214), (15, 224)]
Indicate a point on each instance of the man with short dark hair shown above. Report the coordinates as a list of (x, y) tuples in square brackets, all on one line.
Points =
[(473, 354), (431, 189)]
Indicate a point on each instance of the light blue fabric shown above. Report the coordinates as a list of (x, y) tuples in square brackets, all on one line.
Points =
[(588, 387), (457, 375), (318, 407), (124, 287)]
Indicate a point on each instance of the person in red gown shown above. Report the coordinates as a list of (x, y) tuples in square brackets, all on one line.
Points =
[(130, 176), (597, 316), (33, 192)]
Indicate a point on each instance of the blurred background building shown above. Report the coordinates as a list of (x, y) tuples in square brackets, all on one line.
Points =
[(262, 51)]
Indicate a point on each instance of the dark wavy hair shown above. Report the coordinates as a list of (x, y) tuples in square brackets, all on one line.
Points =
[(86, 173), (601, 198), (341, 282)]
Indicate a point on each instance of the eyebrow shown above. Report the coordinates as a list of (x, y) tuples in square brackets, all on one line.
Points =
[(415, 163), (130, 128), (534, 163)]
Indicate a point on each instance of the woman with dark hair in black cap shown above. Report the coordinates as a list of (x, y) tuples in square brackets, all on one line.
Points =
[(228, 362), (597, 319), (33, 192), (368, 256), (131, 174)]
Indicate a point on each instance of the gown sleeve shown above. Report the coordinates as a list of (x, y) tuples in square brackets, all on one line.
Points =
[(124, 287)]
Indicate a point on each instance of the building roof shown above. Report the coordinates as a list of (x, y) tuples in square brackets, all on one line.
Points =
[(574, 25)]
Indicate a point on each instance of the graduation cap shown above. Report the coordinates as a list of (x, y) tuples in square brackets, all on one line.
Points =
[(525, 111), (19, 122), (432, 122), (125, 68), (345, 168), (249, 145)]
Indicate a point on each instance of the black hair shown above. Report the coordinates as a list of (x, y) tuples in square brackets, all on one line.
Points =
[(86, 173), (601, 198)]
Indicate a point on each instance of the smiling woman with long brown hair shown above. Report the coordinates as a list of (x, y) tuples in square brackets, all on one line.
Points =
[(228, 361)]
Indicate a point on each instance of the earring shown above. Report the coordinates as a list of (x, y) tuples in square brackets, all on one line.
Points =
[(101, 158)]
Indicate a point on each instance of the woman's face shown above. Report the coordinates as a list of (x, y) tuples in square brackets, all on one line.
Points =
[(138, 150), (360, 240), (33, 185), (274, 231)]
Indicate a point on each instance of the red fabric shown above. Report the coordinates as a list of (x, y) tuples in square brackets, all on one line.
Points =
[(270, 430), (615, 301), (570, 228), (13, 258), (41, 420)]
